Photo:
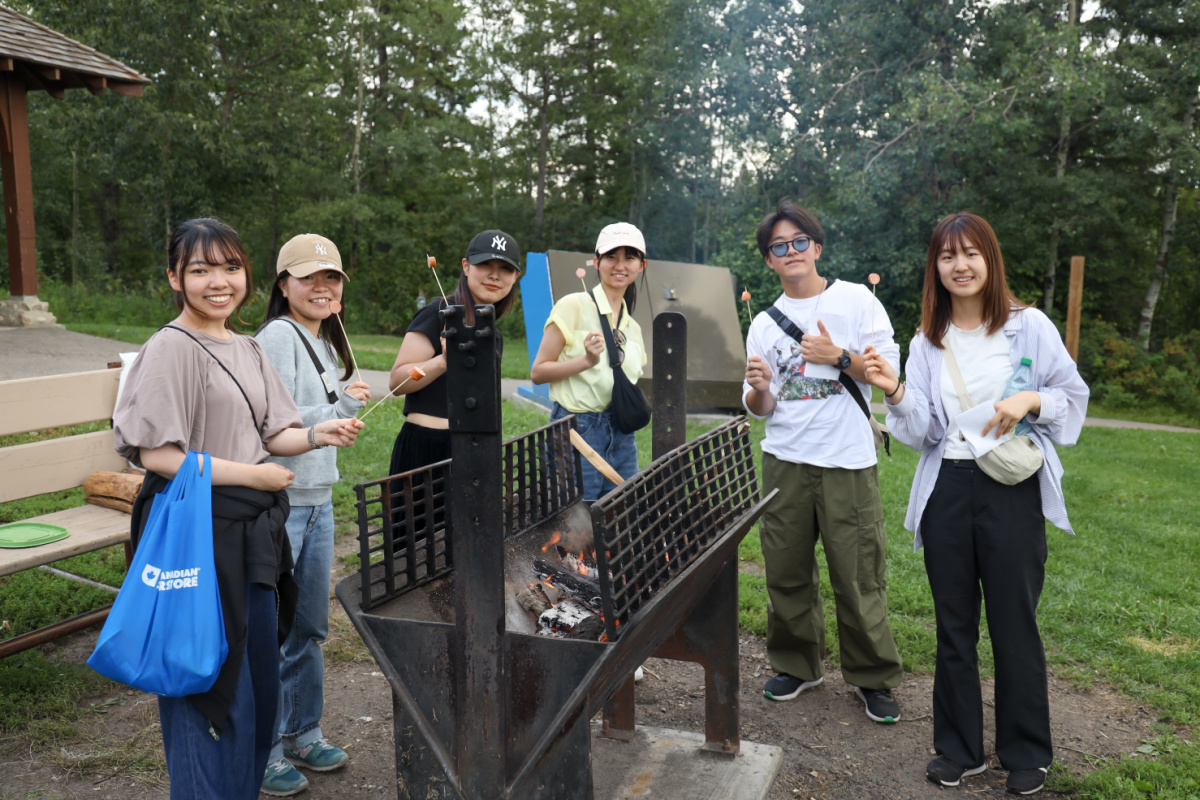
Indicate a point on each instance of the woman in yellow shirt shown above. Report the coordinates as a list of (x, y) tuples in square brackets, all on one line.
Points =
[(573, 359)]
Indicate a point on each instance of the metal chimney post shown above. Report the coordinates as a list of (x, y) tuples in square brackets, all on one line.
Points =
[(478, 647)]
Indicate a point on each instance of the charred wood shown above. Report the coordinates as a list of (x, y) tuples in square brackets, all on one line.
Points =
[(583, 589)]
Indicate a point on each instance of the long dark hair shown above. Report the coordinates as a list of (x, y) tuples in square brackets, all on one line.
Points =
[(998, 301), (217, 243), (331, 331)]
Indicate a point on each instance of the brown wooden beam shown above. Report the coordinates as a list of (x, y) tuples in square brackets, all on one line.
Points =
[(126, 89), (34, 80), (94, 84), (50, 73), (6, 65), (18, 187), (52, 632), (1074, 306)]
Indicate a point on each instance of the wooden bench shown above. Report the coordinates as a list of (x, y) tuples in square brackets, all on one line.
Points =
[(51, 465)]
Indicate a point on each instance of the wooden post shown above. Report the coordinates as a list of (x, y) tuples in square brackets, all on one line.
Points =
[(18, 186), (1074, 305)]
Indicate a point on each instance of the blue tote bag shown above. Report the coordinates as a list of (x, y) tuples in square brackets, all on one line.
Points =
[(165, 633)]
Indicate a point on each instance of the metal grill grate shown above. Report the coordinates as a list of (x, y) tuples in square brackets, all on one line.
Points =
[(656, 524), (403, 532), (541, 476)]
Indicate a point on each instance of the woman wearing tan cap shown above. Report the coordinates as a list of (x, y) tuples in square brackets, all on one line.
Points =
[(304, 341)]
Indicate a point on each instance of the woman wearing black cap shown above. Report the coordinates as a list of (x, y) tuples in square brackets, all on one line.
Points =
[(489, 275)]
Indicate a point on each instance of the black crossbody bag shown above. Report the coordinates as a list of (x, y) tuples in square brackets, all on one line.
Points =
[(631, 411), (882, 437), (330, 390)]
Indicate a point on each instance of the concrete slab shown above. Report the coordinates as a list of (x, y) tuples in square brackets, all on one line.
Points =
[(668, 765), (34, 352)]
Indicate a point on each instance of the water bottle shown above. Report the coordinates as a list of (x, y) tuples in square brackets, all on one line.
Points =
[(1021, 380)]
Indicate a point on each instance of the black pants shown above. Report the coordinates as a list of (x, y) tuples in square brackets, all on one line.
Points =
[(983, 535)]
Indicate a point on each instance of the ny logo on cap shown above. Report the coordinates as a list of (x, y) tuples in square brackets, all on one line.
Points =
[(321, 249), (499, 243)]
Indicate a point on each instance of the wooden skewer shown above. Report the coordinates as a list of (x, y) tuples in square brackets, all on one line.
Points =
[(336, 308), (414, 374), (432, 262), (873, 279), (581, 273), (596, 461)]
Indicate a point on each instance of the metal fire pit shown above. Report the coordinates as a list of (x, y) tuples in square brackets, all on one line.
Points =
[(483, 706)]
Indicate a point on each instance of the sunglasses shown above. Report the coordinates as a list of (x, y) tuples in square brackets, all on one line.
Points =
[(779, 249), (619, 341)]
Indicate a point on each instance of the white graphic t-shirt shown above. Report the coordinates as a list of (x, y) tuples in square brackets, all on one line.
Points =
[(815, 420)]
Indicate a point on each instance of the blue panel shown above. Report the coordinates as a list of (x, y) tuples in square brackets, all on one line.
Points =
[(537, 303)]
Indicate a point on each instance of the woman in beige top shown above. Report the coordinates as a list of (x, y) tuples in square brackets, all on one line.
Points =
[(197, 385)]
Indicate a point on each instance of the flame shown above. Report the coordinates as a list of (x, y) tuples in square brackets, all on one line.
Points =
[(555, 539)]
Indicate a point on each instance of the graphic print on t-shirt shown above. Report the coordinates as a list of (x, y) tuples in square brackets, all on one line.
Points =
[(795, 385)]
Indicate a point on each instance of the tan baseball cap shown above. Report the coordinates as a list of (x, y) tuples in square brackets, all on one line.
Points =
[(308, 253)]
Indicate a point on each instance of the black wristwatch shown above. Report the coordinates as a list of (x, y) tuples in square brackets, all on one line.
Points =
[(843, 362)]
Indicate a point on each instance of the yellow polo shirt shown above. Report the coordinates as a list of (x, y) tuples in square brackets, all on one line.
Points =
[(576, 317)]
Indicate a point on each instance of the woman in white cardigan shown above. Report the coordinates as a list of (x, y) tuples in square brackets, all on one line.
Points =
[(983, 539)]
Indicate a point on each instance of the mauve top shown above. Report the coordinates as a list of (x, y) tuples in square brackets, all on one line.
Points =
[(176, 393)]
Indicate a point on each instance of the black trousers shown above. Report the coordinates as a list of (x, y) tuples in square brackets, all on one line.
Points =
[(987, 540)]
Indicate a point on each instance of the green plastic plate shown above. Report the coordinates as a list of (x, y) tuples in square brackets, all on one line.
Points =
[(30, 534)]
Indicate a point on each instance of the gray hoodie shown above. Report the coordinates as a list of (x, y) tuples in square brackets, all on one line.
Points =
[(316, 471)]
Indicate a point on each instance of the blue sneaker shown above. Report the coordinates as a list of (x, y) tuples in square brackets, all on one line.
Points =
[(319, 756), (283, 780)]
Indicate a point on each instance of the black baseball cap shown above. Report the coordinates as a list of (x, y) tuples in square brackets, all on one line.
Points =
[(494, 244)]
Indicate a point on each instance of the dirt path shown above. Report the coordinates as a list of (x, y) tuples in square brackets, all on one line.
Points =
[(831, 750)]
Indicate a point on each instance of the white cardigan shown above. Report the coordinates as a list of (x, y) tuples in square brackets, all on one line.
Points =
[(919, 419)]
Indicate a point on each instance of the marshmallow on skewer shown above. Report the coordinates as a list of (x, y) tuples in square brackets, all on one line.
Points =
[(581, 273), (432, 263), (414, 374), (746, 300), (873, 279)]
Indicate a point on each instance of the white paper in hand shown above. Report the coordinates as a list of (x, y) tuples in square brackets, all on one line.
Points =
[(971, 424), (838, 326)]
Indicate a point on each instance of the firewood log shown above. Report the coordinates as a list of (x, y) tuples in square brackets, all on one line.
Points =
[(573, 618), (120, 485), (583, 589), (110, 502), (533, 599)]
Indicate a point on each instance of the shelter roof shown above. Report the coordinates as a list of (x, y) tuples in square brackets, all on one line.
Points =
[(51, 61)]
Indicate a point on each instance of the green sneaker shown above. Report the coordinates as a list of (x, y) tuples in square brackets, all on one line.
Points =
[(319, 756), (283, 780)]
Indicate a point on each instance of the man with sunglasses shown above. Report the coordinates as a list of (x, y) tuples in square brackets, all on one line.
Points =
[(819, 451)]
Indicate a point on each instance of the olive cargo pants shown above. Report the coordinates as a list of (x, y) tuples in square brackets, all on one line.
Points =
[(842, 508)]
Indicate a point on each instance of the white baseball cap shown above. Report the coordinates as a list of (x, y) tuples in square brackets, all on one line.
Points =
[(620, 234)]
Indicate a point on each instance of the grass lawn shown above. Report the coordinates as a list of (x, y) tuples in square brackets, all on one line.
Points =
[(1121, 602)]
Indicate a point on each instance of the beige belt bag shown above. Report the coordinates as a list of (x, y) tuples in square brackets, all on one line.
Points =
[(1009, 463)]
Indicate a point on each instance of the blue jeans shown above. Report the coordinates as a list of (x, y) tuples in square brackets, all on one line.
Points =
[(230, 767), (301, 663), (618, 449)]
